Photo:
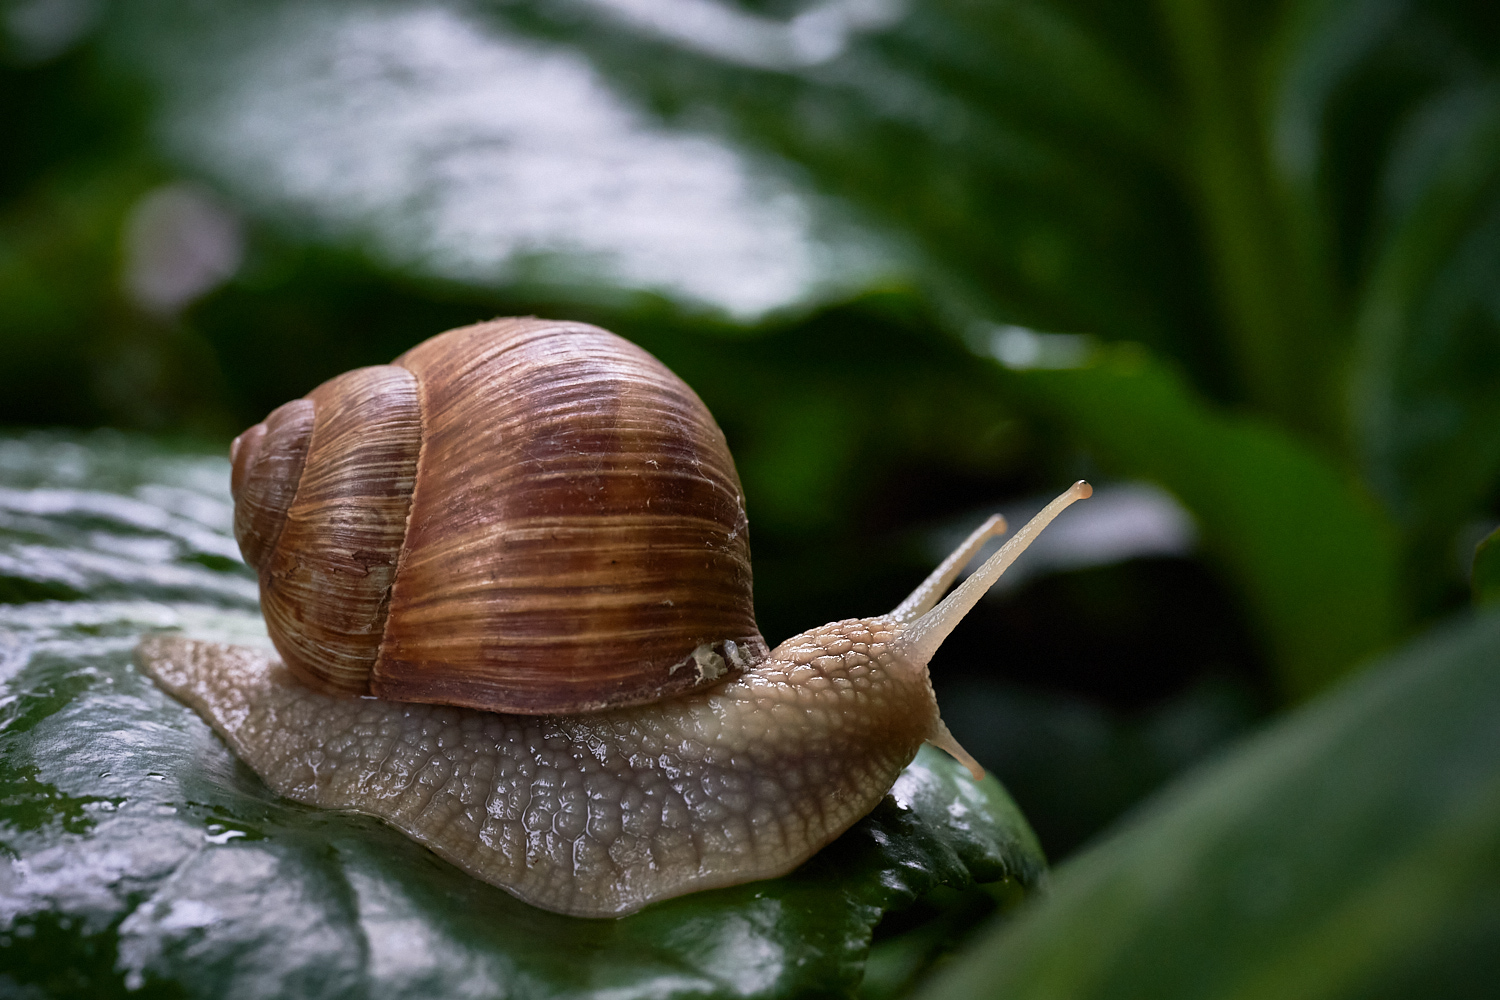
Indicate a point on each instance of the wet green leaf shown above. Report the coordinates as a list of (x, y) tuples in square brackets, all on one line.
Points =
[(1353, 850), (140, 855), (1301, 541)]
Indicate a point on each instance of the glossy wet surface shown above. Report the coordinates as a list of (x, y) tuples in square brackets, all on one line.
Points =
[(141, 854)]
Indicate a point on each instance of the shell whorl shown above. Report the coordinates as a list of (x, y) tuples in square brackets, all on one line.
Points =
[(521, 516), (268, 460)]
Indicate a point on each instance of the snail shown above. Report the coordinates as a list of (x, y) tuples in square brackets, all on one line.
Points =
[(508, 577)]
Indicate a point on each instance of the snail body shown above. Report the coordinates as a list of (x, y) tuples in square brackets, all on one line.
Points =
[(568, 697)]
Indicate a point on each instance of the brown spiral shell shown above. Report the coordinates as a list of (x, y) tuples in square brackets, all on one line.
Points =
[(521, 516)]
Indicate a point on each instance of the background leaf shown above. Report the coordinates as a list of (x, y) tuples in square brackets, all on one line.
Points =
[(1429, 326), (1300, 540), (1349, 851), (1485, 578)]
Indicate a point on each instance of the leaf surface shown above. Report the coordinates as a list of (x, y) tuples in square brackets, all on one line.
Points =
[(142, 855), (1352, 850)]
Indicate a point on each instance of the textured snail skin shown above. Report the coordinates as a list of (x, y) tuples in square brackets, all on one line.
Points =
[(591, 815)]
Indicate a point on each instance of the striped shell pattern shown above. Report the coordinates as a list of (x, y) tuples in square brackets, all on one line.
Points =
[(521, 516)]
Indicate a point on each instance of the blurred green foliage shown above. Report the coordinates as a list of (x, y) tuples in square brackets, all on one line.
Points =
[(1349, 851), (1294, 204), (949, 254), (1485, 575), (1307, 546)]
